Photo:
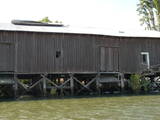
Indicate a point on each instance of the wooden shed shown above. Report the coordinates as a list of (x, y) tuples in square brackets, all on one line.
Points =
[(47, 54)]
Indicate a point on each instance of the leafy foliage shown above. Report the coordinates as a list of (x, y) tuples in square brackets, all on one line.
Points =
[(45, 20), (149, 10), (135, 83), (145, 83)]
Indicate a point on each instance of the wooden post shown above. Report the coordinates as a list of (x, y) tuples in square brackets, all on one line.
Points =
[(15, 87), (98, 84), (61, 94), (44, 86), (72, 86), (122, 82)]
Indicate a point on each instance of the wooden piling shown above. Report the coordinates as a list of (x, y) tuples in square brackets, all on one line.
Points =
[(122, 82), (15, 87), (61, 94), (72, 86), (98, 84), (44, 87)]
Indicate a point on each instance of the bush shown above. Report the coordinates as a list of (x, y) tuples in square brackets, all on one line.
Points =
[(135, 83), (145, 83)]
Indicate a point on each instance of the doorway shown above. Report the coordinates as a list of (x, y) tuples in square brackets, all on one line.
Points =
[(109, 59)]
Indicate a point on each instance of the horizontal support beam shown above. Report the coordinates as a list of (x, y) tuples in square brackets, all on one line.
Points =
[(53, 73)]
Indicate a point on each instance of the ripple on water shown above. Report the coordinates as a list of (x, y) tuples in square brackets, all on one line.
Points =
[(109, 108)]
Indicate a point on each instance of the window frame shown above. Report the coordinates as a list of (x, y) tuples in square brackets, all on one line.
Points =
[(147, 59)]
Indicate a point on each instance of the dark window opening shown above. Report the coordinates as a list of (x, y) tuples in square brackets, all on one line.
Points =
[(144, 58), (58, 54)]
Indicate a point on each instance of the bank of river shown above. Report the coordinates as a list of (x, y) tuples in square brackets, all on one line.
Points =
[(99, 108)]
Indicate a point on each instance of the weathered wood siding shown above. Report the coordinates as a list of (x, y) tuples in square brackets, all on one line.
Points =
[(7, 52), (6, 57), (37, 52), (130, 53)]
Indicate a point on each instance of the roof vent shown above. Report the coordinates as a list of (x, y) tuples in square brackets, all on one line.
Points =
[(34, 23), (121, 31)]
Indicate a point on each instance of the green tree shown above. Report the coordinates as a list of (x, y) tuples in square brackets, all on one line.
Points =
[(45, 20), (149, 11)]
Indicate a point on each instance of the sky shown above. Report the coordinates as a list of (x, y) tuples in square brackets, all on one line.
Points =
[(111, 14)]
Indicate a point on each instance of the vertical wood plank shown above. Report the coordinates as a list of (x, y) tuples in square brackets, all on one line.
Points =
[(102, 58)]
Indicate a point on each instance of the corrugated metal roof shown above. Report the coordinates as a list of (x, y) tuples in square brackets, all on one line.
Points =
[(78, 30)]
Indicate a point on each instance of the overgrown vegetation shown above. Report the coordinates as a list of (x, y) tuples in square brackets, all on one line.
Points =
[(145, 83), (135, 83), (139, 83)]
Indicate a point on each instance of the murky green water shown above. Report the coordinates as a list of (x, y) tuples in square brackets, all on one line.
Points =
[(104, 108)]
